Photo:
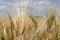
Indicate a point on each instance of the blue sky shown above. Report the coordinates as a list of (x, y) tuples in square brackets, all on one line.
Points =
[(36, 7)]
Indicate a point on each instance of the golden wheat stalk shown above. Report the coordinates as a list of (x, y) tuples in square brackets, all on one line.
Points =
[(13, 35)]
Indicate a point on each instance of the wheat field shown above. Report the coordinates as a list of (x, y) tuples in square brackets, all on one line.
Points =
[(30, 28)]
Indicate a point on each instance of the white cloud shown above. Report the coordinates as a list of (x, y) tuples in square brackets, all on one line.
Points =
[(47, 3), (2, 7), (44, 2), (41, 2)]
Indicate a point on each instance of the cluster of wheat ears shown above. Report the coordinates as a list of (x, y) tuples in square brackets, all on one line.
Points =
[(28, 28)]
